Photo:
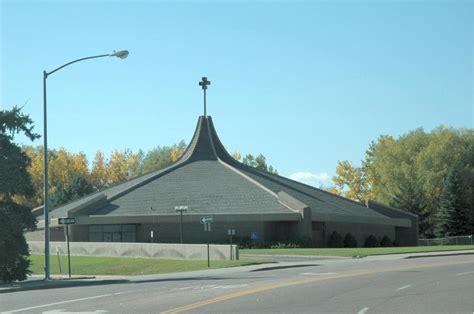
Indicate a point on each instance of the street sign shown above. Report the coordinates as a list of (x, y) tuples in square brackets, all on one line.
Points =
[(253, 235), (67, 221), (206, 219), (230, 231)]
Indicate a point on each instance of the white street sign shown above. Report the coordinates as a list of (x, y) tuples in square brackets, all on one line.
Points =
[(206, 219)]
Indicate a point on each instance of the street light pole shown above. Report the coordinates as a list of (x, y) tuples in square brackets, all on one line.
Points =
[(122, 54), (181, 209), (45, 182)]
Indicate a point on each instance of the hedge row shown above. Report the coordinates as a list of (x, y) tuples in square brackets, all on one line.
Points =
[(336, 241)]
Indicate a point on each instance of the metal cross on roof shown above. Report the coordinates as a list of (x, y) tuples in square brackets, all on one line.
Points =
[(204, 83)]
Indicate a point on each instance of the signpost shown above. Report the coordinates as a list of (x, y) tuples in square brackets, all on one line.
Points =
[(67, 221), (231, 232), (59, 260), (206, 221), (181, 209)]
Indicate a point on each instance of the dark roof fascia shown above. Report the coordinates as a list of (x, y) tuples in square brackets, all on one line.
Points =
[(388, 207), (164, 218), (335, 218)]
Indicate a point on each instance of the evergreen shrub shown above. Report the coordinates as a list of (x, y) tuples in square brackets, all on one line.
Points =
[(371, 241), (349, 240), (335, 240), (386, 242)]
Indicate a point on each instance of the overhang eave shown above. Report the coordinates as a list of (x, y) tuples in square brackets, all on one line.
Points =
[(396, 222), (187, 218)]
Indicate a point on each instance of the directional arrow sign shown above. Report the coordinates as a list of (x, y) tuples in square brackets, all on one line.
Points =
[(67, 221), (206, 219)]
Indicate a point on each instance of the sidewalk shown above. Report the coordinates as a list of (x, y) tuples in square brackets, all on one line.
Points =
[(37, 282), (308, 258)]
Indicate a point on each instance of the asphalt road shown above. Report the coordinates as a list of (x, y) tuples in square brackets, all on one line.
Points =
[(372, 285)]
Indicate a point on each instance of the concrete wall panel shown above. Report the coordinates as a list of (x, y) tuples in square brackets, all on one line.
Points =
[(147, 250)]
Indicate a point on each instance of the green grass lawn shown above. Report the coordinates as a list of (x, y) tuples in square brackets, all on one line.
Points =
[(94, 265), (357, 251)]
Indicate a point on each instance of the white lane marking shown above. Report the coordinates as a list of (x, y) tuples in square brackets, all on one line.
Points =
[(230, 286), (465, 273), (123, 292), (205, 287), (404, 287), (62, 312), (365, 309), (316, 274), (57, 303)]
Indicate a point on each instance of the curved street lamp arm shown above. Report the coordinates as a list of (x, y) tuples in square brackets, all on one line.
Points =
[(46, 74)]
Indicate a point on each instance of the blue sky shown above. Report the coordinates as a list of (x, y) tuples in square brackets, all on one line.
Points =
[(305, 84)]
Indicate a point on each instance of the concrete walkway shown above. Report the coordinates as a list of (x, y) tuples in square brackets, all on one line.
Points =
[(37, 282), (301, 258)]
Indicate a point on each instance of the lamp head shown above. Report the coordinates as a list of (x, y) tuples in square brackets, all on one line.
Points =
[(122, 54)]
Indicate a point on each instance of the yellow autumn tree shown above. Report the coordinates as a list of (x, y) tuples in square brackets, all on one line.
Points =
[(99, 173), (177, 151), (236, 155), (135, 164), (63, 168), (117, 167), (351, 182)]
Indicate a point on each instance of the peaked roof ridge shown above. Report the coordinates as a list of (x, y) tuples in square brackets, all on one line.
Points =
[(196, 150), (202, 147)]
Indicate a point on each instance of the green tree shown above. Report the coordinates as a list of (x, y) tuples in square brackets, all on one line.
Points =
[(16, 180), (259, 162), (78, 187), (157, 158), (410, 197), (409, 172), (452, 202), (135, 164)]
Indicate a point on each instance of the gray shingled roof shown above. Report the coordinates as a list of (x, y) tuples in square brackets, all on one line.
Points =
[(210, 181), (206, 186)]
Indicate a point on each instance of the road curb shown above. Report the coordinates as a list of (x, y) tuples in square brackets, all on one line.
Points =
[(59, 284), (438, 255), (283, 267)]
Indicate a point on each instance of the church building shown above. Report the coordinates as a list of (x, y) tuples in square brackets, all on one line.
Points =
[(208, 182)]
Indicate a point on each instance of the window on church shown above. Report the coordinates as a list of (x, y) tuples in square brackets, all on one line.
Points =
[(112, 233)]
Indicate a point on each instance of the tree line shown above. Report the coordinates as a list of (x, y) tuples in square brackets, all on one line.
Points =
[(430, 174)]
